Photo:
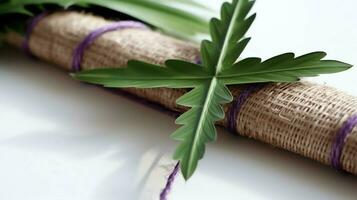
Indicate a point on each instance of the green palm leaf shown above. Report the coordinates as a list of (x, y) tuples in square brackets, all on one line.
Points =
[(219, 68), (161, 14), (209, 93)]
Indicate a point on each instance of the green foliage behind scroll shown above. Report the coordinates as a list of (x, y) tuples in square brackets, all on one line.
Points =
[(165, 15), (219, 68)]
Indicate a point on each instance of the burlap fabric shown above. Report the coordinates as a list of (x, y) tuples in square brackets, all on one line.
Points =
[(300, 117)]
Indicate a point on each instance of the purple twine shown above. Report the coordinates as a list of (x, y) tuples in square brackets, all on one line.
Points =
[(340, 140), (91, 37), (164, 193), (237, 105), (31, 26)]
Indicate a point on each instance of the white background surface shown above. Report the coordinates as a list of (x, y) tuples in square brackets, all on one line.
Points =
[(60, 139)]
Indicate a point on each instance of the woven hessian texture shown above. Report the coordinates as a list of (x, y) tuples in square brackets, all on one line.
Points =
[(300, 117)]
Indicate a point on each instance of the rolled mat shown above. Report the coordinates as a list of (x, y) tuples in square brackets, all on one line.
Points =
[(312, 120)]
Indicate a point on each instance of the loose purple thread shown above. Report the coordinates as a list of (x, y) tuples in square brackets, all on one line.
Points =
[(237, 105), (31, 26), (340, 140), (164, 193), (91, 37)]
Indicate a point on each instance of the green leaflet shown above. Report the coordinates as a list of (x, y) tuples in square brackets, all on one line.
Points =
[(176, 74), (220, 68), (198, 123), (282, 68), (161, 14)]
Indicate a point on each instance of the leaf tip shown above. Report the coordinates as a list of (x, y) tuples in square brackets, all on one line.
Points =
[(321, 52), (253, 16), (347, 65), (187, 174)]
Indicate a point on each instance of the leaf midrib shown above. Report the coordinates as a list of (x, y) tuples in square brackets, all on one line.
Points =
[(213, 85), (200, 124), (268, 71), (227, 38)]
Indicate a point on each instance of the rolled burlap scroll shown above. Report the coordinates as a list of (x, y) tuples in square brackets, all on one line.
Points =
[(312, 120)]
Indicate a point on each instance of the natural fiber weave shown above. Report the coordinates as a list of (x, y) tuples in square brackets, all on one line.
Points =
[(300, 117)]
